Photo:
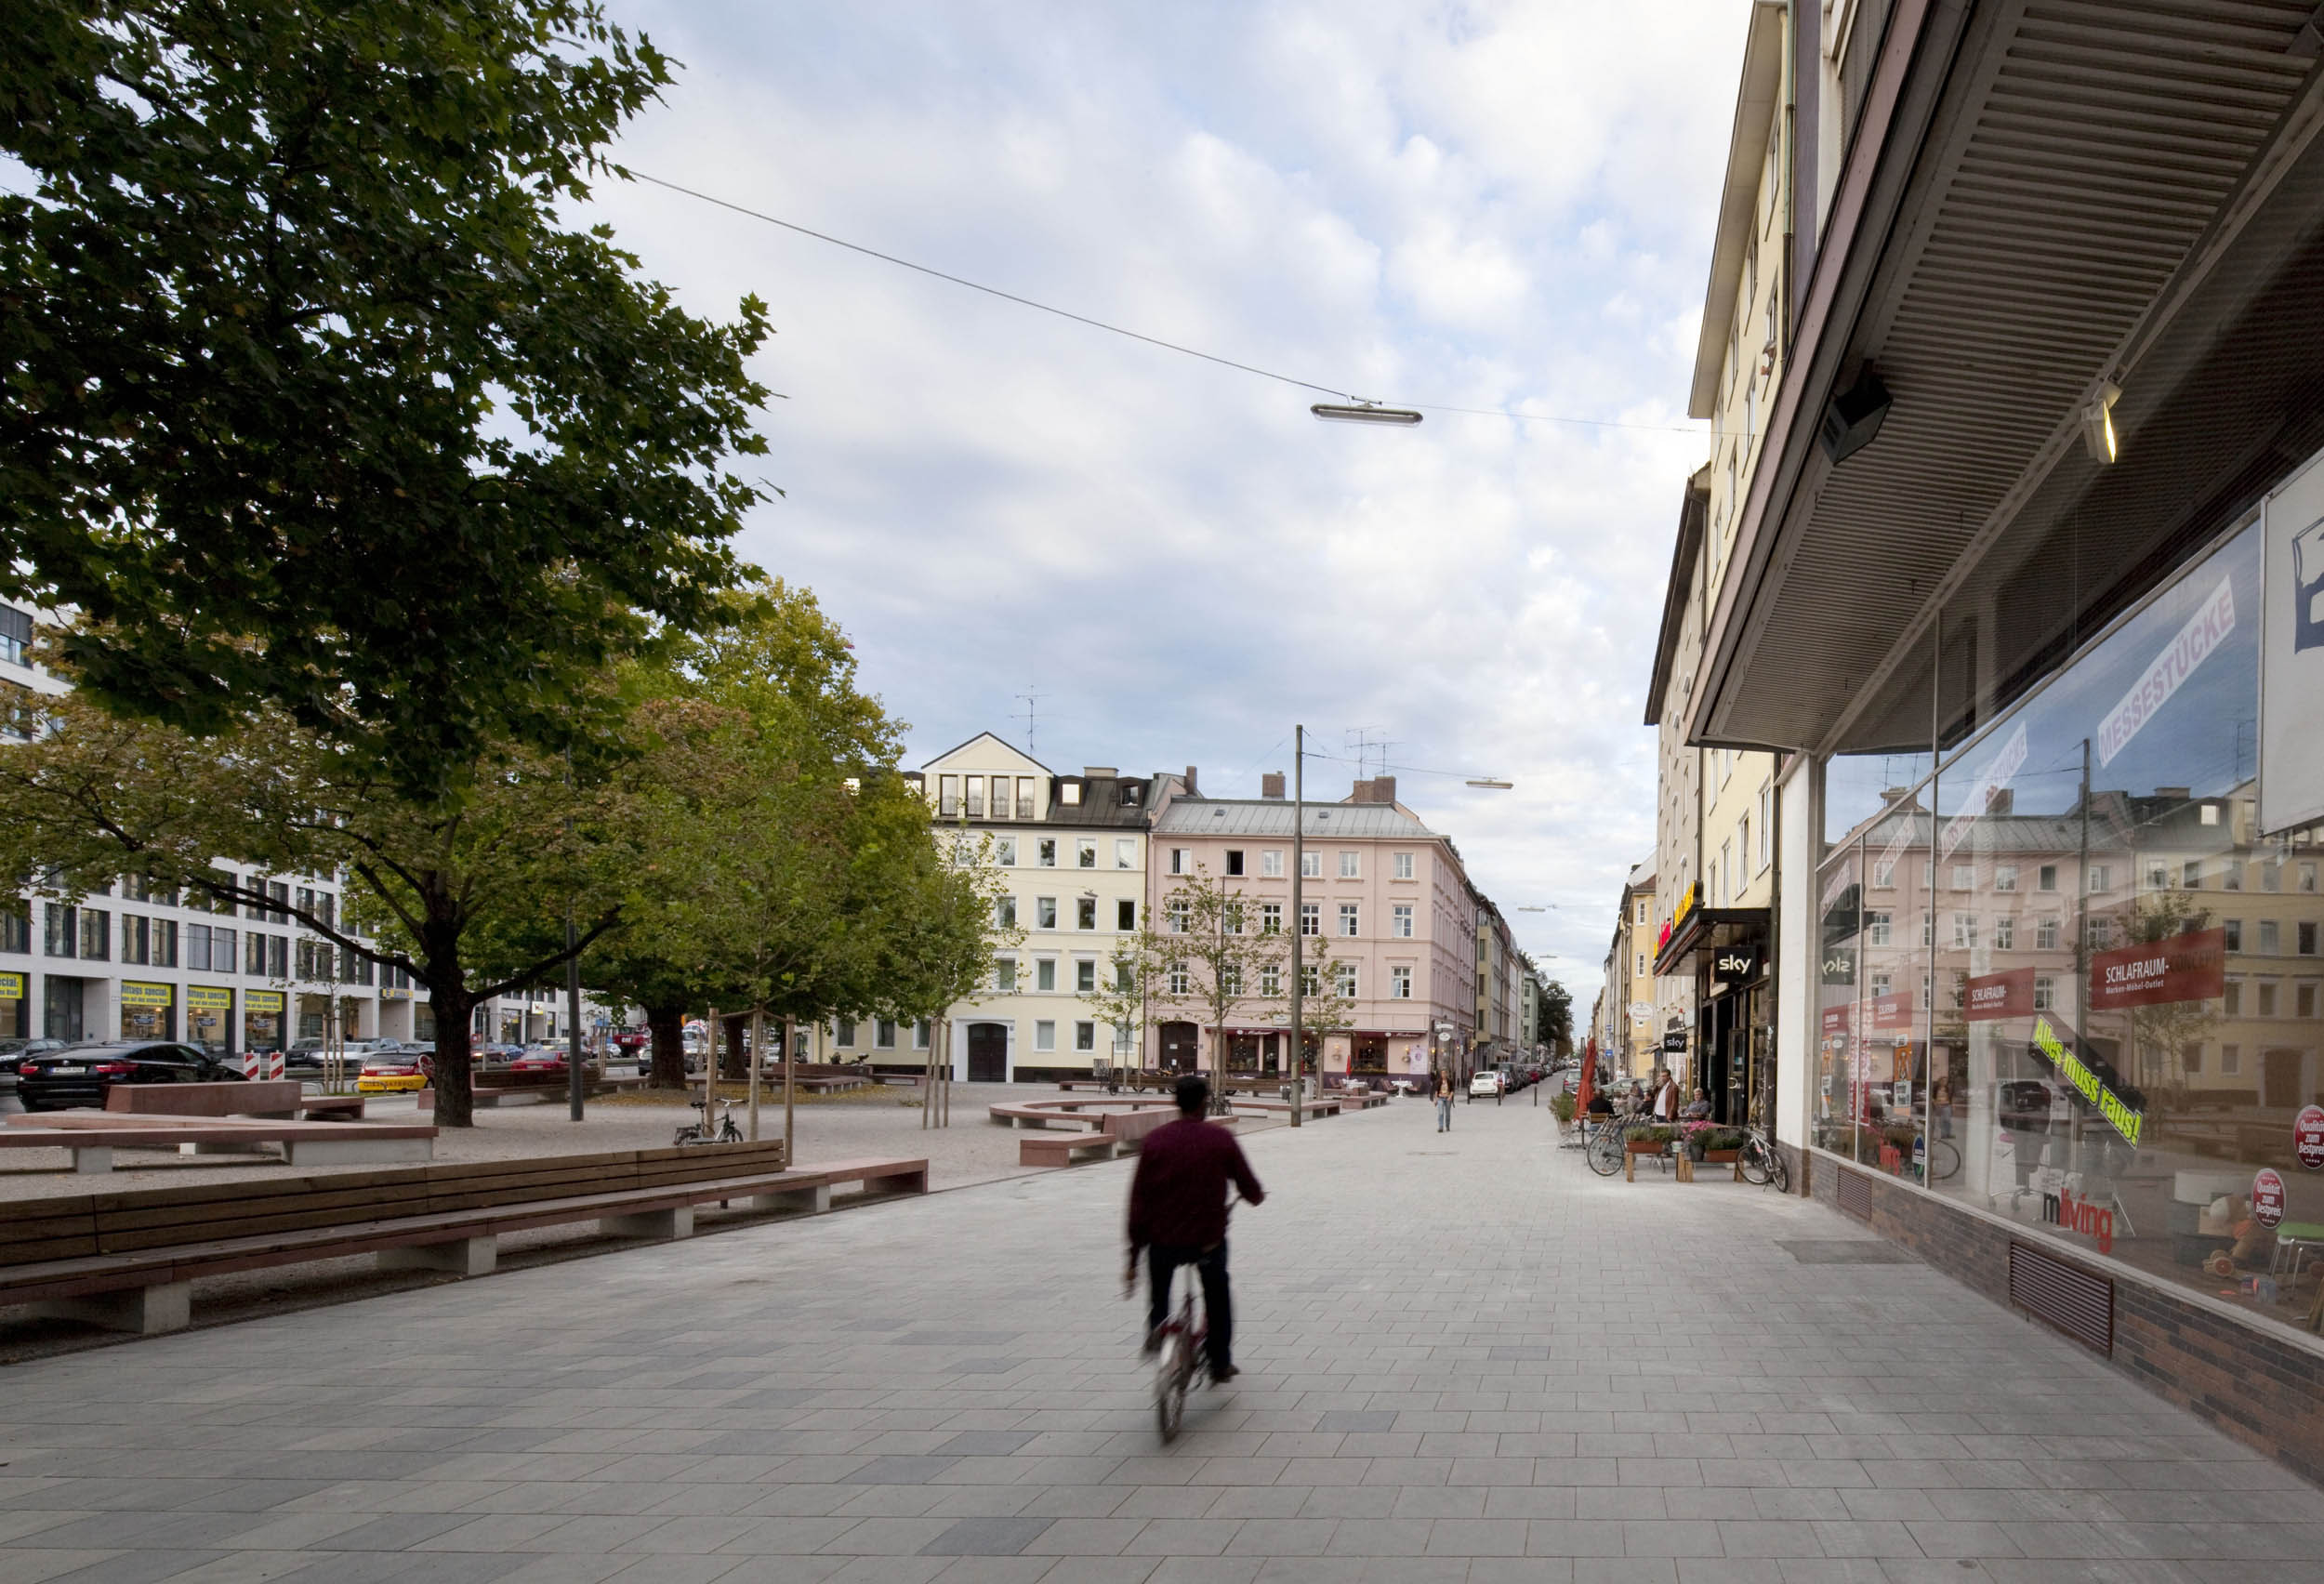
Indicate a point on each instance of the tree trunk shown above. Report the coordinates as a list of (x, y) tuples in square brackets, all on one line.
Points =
[(667, 1027), (733, 1060), (455, 1096)]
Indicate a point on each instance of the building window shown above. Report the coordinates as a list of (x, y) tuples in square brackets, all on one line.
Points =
[(2158, 877), (2045, 992), (1964, 877), (2307, 876), (1311, 918), (2046, 936), (1310, 865), (1404, 866), (1347, 920), (2102, 879), (2307, 940), (1235, 861), (2101, 933), (1005, 974), (1043, 1034), (1964, 931), (884, 1034), (2191, 875), (16, 926), (2303, 999), (1270, 979), (1879, 928), (95, 934), (2004, 877), (2231, 1059), (844, 1035), (1085, 853), (1343, 980), (1085, 913), (60, 930), (1085, 1036), (2231, 998), (2267, 997), (1400, 984), (134, 939), (1347, 867), (1045, 912), (2004, 933), (1085, 976), (1271, 919), (2271, 938), (1125, 915), (1884, 874), (1642, 965), (1270, 863), (2046, 878), (1176, 979), (1005, 912), (1125, 852), (1400, 922), (15, 631), (1045, 973), (1179, 916), (1005, 850), (1181, 860), (2231, 875), (1766, 824), (2232, 929), (1231, 916), (1045, 853)]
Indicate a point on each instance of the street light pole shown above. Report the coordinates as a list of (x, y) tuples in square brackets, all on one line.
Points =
[(1299, 917)]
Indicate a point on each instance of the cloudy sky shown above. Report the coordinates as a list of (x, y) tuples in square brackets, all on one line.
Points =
[(1488, 206)]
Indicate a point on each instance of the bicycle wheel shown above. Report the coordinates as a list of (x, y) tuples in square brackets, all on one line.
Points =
[(1754, 1162), (1944, 1159), (1778, 1174), (1169, 1385), (1606, 1152)]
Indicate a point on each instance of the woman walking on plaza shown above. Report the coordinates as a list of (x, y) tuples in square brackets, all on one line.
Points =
[(1444, 1103)]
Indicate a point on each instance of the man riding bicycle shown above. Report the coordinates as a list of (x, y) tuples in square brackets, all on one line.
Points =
[(1178, 1211)]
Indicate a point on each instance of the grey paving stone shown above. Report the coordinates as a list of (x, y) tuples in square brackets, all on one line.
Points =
[(986, 1537)]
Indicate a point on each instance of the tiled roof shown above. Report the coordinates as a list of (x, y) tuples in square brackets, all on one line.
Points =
[(1272, 816)]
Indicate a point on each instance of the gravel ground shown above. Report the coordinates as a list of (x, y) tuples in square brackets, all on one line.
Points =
[(971, 1150), (879, 1122)]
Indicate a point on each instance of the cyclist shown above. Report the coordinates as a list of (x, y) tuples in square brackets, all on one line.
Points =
[(1177, 1216)]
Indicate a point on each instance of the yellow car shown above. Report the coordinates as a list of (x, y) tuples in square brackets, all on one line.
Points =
[(395, 1072)]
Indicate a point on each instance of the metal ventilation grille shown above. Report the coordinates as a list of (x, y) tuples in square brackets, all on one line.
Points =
[(1855, 1195), (2060, 1295)]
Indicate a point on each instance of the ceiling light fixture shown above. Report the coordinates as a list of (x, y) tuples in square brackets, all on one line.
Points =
[(1364, 413), (2098, 436)]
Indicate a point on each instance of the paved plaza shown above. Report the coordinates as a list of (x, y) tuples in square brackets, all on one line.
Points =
[(1467, 1361)]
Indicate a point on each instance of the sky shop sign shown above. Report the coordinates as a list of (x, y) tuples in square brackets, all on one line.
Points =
[(2120, 1117), (2192, 967), (2204, 633)]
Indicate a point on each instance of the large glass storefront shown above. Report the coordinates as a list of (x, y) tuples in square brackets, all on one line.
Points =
[(2066, 980)]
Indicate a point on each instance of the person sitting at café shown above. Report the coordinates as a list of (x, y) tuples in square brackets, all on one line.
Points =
[(1698, 1109)]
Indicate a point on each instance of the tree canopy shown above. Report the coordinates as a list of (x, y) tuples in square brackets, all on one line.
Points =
[(310, 404)]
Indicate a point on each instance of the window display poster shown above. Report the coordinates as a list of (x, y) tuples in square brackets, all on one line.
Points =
[(2188, 967), (2292, 654), (2267, 1197), (2308, 1137)]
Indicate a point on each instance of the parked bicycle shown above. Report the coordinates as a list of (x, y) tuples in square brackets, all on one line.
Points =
[(698, 1131), (1610, 1141), (1761, 1162)]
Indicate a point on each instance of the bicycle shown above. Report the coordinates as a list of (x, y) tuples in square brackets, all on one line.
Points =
[(1607, 1144), (1184, 1361), (698, 1131), (1762, 1163)]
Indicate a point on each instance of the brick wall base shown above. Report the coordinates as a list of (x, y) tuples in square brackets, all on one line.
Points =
[(2262, 1387)]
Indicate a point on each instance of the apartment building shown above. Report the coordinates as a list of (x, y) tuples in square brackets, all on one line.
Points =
[(1071, 854), (1386, 898)]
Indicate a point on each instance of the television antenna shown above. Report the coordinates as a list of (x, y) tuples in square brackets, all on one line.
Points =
[(1369, 741), (1032, 701)]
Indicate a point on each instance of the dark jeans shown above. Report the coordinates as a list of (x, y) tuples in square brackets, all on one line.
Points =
[(1162, 1263)]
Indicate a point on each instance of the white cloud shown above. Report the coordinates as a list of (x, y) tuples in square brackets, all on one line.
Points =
[(1481, 206)]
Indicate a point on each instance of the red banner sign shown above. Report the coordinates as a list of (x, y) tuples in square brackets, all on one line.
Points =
[(1994, 996), (1893, 1011), (1838, 1020), (2192, 967)]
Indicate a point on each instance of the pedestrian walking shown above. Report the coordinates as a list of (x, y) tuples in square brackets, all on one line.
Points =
[(1444, 1103)]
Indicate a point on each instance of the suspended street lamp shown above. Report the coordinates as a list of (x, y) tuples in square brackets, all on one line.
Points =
[(1364, 413)]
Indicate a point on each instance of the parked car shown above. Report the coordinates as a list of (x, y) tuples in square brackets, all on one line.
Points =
[(15, 1050), (395, 1072), (1486, 1085), (79, 1074), (306, 1058), (539, 1059)]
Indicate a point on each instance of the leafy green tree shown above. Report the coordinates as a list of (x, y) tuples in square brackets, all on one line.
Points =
[(311, 405), (456, 890)]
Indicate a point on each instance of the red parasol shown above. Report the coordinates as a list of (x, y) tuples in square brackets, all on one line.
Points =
[(1589, 1076)]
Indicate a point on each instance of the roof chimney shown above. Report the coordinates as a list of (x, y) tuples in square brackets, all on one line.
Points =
[(1271, 785), (1379, 789), (1191, 790), (1098, 772)]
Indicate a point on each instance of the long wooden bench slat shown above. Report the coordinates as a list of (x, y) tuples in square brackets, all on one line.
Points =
[(26, 1281)]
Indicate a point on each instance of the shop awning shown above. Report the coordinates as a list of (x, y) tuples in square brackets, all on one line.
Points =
[(1709, 928), (2037, 201)]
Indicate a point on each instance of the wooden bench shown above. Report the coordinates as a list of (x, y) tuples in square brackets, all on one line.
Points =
[(93, 1136), (266, 1097), (1117, 1130), (127, 1260)]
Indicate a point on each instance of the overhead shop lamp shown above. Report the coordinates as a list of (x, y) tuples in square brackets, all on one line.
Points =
[(2098, 436)]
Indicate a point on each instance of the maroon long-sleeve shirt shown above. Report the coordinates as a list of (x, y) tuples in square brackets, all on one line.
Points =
[(1178, 1198)]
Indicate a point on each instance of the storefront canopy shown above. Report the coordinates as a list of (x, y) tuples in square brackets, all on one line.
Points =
[(2037, 203)]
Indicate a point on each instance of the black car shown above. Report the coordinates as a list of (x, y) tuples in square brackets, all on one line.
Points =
[(79, 1074), (14, 1050)]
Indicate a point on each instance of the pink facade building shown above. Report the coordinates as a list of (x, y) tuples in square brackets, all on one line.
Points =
[(1385, 899)]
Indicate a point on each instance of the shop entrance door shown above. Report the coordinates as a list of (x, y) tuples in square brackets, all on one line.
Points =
[(60, 1009), (988, 1053)]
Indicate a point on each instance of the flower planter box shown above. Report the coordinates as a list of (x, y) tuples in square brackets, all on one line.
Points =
[(1721, 1157)]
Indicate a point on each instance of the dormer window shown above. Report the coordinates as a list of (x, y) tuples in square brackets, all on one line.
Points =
[(1129, 794), (1071, 792)]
